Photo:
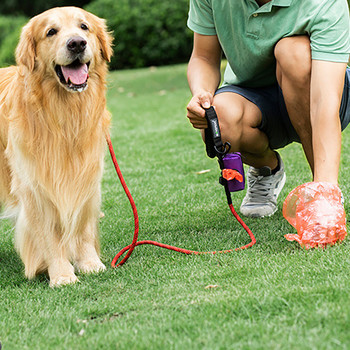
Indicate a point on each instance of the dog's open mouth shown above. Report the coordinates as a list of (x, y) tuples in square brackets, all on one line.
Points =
[(74, 76)]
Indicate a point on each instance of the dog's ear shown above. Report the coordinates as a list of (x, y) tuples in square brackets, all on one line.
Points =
[(26, 48), (105, 38)]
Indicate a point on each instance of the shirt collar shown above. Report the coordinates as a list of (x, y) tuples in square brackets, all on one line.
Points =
[(281, 3), (268, 6)]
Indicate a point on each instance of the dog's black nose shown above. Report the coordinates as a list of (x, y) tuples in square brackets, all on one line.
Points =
[(76, 44)]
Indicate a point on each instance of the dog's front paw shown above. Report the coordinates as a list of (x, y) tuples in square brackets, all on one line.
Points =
[(61, 272), (63, 280), (90, 266)]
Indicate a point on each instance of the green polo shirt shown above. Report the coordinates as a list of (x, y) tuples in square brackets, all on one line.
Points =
[(248, 33)]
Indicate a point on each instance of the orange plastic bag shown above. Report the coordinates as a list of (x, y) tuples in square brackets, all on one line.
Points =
[(315, 210)]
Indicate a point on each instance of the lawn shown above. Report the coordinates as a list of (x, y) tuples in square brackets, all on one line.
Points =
[(272, 296)]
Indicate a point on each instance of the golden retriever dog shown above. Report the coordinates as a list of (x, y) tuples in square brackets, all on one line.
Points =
[(53, 124)]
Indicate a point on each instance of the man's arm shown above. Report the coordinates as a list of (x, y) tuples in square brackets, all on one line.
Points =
[(203, 75), (327, 83)]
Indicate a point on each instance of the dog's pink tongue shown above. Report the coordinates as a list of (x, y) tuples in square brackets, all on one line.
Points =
[(77, 75)]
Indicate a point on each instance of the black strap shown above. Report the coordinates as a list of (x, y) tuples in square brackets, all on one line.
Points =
[(214, 145), (213, 142)]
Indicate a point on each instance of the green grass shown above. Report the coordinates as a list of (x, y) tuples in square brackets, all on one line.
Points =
[(273, 296)]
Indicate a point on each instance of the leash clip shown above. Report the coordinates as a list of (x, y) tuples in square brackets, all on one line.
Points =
[(225, 148)]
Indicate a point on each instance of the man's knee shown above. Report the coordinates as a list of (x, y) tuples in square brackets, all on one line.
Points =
[(230, 117), (293, 57)]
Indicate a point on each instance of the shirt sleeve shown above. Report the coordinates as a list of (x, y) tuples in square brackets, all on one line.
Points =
[(330, 32), (200, 17)]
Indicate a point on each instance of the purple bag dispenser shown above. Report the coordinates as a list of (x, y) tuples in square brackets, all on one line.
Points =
[(234, 161)]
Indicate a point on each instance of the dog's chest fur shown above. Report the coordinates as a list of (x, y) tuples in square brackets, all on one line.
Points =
[(58, 152)]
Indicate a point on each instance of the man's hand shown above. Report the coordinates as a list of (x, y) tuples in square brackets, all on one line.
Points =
[(195, 109)]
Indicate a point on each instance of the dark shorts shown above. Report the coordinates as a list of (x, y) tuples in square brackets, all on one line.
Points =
[(275, 120)]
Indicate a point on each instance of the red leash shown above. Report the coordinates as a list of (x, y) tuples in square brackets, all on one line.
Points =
[(129, 249)]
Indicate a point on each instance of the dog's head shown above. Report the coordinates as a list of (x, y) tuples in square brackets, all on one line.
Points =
[(66, 43)]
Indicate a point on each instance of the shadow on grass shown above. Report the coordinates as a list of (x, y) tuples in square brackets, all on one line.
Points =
[(11, 269)]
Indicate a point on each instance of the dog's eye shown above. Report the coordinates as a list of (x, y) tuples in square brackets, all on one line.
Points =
[(51, 32), (83, 26)]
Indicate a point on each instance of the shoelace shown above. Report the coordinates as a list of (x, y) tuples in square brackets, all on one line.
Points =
[(263, 186)]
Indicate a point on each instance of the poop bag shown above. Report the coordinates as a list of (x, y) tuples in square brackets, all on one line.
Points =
[(315, 210)]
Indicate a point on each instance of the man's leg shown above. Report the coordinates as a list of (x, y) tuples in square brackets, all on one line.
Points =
[(293, 58), (239, 120)]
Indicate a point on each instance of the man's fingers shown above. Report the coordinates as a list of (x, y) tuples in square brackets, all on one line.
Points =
[(206, 99), (196, 109), (197, 121)]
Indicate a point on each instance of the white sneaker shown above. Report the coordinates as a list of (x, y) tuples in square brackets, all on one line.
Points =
[(263, 190)]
